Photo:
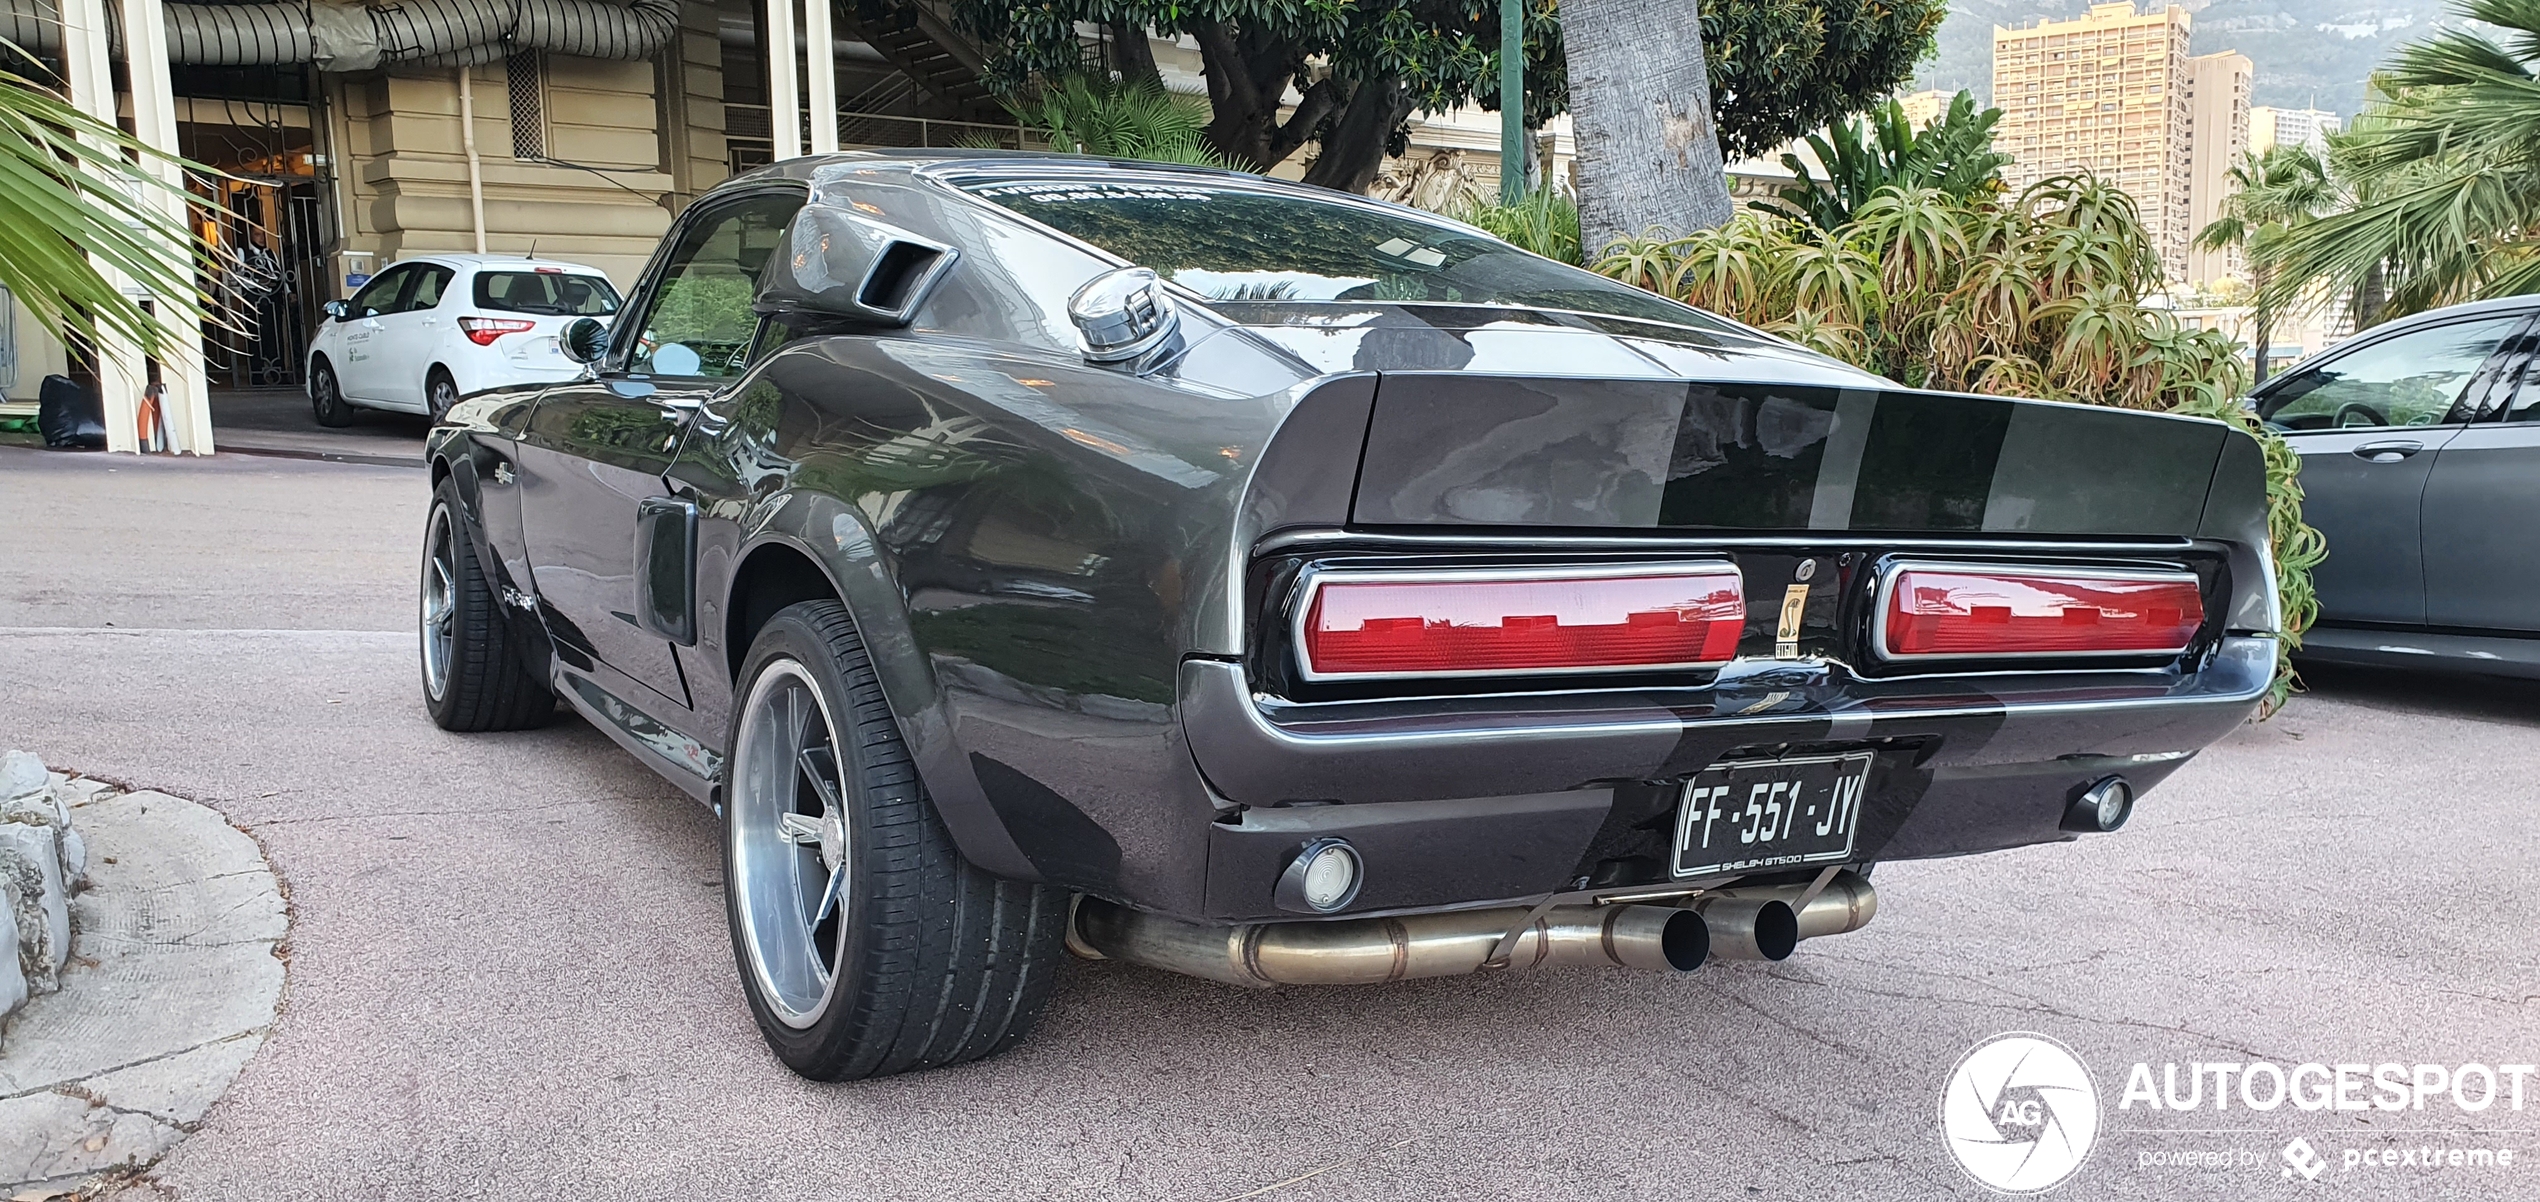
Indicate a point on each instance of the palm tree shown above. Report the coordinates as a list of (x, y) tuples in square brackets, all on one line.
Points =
[(1640, 102), (2446, 171), (2272, 195), (76, 194)]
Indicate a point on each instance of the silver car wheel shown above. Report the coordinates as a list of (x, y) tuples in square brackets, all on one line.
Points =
[(787, 820), (439, 600)]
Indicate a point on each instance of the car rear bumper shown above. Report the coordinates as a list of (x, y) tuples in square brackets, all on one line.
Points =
[(1469, 801)]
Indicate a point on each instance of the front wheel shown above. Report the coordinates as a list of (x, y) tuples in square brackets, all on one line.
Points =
[(867, 946)]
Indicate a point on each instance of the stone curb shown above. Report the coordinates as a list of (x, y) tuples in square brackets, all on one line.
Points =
[(173, 983)]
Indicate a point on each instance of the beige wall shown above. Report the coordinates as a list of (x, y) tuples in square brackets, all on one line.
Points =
[(39, 354), (403, 176), (2219, 135)]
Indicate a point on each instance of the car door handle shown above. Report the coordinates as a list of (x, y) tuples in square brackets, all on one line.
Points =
[(2387, 452)]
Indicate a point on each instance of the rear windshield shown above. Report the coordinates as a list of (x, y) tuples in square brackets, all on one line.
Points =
[(1233, 243), (550, 293)]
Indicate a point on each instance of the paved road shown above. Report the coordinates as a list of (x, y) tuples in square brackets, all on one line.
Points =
[(510, 976)]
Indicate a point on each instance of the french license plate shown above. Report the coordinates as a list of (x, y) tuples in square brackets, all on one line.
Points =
[(1761, 814)]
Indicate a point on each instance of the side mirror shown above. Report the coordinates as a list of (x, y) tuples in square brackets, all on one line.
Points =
[(338, 309), (840, 263), (1123, 316), (585, 340)]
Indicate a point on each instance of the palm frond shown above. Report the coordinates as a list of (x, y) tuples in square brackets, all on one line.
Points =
[(77, 195)]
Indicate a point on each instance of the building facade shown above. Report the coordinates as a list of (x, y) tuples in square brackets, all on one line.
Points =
[(452, 129), (2309, 128), (2218, 135), (2106, 93)]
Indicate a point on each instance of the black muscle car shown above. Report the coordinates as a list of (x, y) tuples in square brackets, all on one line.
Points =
[(1027, 553)]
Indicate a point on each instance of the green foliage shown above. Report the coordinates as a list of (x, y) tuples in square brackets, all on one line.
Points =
[(76, 195), (2030, 295), (1546, 222), (2443, 173), (1120, 120), (1954, 155), (1778, 67)]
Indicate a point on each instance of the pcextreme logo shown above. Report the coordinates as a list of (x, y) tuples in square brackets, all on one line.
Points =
[(2019, 1113)]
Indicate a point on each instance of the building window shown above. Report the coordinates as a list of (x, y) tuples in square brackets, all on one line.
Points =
[(528, 77)]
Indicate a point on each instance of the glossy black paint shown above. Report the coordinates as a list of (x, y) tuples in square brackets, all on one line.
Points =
[(1071, 577)]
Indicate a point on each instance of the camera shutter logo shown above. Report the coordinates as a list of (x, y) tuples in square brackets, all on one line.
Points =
[(2020, 1113)]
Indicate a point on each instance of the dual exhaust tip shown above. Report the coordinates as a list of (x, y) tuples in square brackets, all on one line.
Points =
[(1763, 923)]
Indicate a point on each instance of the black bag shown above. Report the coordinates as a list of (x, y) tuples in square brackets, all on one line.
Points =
[(70, 417)]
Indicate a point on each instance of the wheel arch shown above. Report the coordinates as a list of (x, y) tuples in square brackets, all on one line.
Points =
[(811, 547)]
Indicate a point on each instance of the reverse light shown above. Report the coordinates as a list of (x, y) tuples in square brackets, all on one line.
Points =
[(1322, 878), (484, 330), (1976, 611), (1519, 621)]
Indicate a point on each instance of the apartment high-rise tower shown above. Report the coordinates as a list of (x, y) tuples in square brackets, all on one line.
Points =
[(2291, 127), (2218, 134), (2109, 93)]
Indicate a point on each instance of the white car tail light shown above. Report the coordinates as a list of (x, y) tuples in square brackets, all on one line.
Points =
[(1519, 621), (1977, 611), (484, 330)]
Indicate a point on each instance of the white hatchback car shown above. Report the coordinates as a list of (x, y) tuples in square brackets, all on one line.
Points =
[(430, 330)]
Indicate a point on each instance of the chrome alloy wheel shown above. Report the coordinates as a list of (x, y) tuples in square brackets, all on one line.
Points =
[(439, 602), (790, 842)]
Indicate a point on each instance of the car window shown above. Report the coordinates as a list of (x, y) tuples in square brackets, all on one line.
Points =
[(380, 294), (430, 282), (697, 321), (546, 292), (2414, 379), (1231, 242)]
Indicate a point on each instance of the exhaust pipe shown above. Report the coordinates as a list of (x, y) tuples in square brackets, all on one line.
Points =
[(1767, 923), (1372, 951)]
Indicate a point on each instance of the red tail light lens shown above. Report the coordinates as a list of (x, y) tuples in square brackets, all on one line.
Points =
[(1961, 611), (1372, 625), (484, 330)]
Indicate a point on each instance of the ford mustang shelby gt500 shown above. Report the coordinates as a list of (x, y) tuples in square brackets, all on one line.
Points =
[(1029, 554)]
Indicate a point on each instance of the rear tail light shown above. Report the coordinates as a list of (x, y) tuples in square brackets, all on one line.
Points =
[(1975, 611), (484, 330), (1491, 622)]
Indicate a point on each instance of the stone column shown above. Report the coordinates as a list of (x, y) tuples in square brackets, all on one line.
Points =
[(90, 69), (186, 399)]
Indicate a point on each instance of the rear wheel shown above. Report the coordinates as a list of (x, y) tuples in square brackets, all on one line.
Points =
[(867, 945), (440, 392), (326, 397), (473, 675)]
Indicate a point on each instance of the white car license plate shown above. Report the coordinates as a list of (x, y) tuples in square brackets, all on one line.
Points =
[(1753, 815)]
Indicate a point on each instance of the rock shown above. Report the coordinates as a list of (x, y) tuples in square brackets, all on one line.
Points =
[(31, 872), (74, 859), (47, 807), (12, 978), (20, 774)]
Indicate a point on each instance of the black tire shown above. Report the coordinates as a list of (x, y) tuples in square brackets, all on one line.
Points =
[(326, 397), (931, 961), (482, 682), (440, 392)]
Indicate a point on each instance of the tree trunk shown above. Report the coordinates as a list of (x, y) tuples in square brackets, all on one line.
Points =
[(1247, 76), (2365, 310), (1356, 146), (2259, 332), (1131, 56), (1640, 100)]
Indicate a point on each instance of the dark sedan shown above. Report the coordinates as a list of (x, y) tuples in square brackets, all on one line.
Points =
[(1027, 553), (2420, 445)]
